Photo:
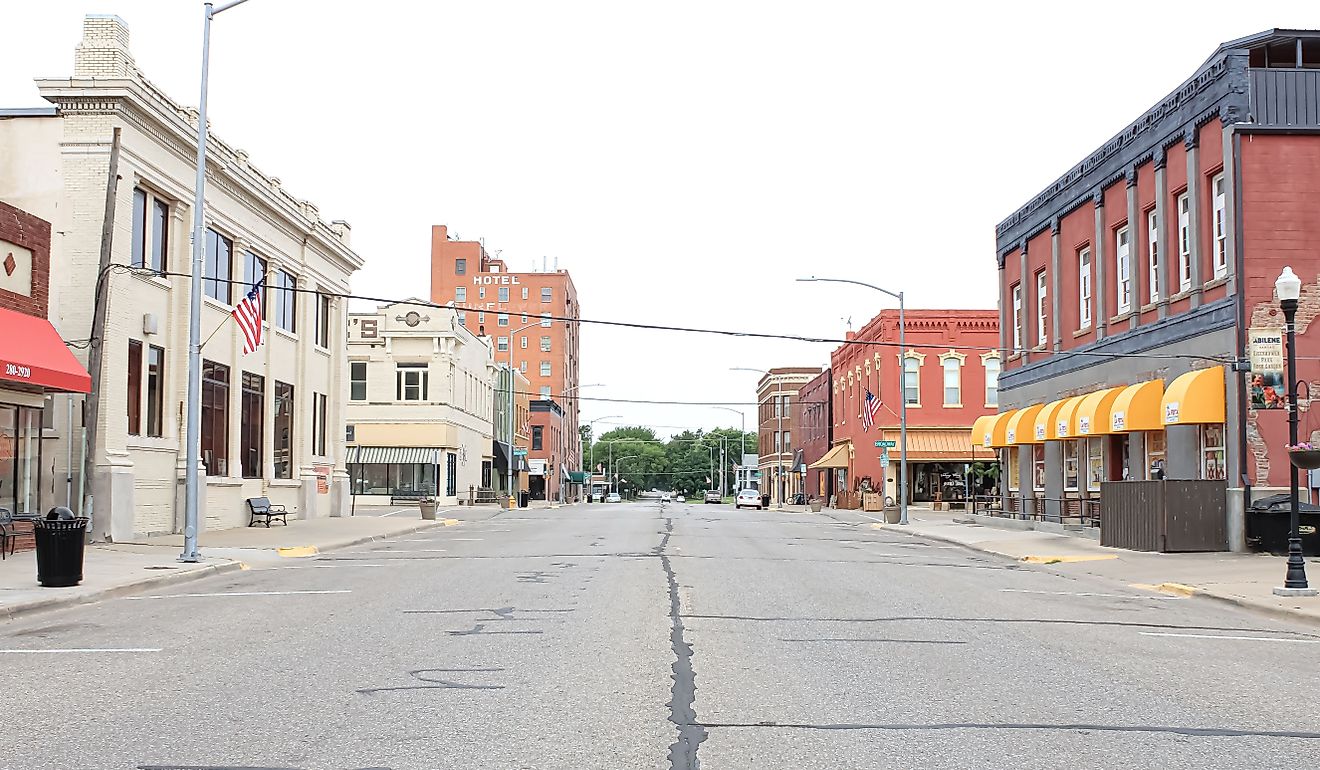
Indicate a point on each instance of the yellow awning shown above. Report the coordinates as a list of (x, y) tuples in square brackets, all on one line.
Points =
[(838, 457), (998, 432), (1066, 420), (1047, 428), (1092, 416), (1022, 425), (1137, 407), (981, 430), (1195, 398)]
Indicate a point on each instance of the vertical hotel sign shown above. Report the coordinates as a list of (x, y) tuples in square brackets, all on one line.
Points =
[(1266, 384)]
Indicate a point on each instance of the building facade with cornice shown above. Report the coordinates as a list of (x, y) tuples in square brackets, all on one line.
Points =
[(947, 370), (1131, 285), (272, 422)]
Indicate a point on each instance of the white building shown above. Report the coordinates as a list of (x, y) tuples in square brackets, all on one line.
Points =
[(271, 422), (421, 400)]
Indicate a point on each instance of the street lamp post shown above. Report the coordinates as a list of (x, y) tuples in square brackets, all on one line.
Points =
[(902, 390), (577, 456), (779, 434), (742, 439), (510, 432), (193, 430), (1289, 288), (592, 425), (615, 469)]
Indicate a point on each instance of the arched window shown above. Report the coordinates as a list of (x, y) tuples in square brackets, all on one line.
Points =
[(911, 381), (952, 382)]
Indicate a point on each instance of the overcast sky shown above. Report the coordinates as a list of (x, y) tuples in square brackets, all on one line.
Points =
[(685, 160)]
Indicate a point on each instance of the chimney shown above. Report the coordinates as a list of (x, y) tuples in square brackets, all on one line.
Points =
[(103, 50)]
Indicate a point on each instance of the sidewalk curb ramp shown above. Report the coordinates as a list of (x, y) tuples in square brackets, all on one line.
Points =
[(57, 601)]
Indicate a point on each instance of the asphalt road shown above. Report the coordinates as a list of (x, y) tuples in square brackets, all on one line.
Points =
[(627, 636)]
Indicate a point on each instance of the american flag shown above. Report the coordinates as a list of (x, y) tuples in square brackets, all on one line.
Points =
[(869, 409), (248, 315)]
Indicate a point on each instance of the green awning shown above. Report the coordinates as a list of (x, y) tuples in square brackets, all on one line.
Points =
[(577, 477)]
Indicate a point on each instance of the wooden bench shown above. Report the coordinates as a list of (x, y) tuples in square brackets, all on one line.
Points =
[(261, 508)]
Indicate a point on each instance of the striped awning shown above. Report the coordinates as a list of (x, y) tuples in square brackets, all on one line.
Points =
[(392, 455)]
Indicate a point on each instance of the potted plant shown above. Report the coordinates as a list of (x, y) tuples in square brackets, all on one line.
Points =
[(428, 504), (1303, 455), (815, 504)]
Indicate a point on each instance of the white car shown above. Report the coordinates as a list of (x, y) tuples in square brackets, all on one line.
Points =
[(613, 497), (748, 497), (680, 499)]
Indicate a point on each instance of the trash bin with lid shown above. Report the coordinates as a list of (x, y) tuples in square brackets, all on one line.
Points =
[(60, 538), (524, 498), (1269, 522)]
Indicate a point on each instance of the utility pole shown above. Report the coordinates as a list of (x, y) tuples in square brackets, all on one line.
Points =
[(101, 303)]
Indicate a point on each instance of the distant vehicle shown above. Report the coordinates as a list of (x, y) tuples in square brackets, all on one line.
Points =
[(613, 497), (664, 498), (597, 497), (748, 497), (680, 499), (713, 497)]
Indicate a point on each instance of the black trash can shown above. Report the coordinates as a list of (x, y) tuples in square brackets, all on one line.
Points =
[(1269, 524), (524, 498), (60, 545)]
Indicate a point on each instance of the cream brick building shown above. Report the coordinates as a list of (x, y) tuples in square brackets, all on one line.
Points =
[(421, 400), (272, 422)]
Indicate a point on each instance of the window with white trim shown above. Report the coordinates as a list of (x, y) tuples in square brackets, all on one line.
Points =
[(502, 344), (502, 319), (1221, 225), (545, 391), (546, 294), (1042, 310), (912, 380), (504, 294), (1017, 318), (1153, 254), (992, 382), (952, 382), (545, 320), (1123, 263), (1084, 288), (411, 382), (460, 294), (545, 368), (545, 344), (1070, 464), (1184, 243), (524, 292), (523, 342)]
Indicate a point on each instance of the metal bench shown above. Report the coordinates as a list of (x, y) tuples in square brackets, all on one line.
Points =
[(261, 507)]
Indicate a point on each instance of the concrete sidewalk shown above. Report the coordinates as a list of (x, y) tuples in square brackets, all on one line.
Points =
[(1245, 580), (113, 569)]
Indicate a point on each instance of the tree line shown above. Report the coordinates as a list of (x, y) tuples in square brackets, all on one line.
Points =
[(686, 463)]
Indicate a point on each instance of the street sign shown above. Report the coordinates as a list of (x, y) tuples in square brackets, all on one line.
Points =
[(885, 444), (884, 459), (519, 452)]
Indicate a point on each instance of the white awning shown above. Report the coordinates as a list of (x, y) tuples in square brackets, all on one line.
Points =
[(391, 455)]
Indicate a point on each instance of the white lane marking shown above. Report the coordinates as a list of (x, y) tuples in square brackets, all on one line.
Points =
[(468, 539), (1233, 638), (391, 513), (1082, 593), (408, 550), (81, 649), (239, 593)]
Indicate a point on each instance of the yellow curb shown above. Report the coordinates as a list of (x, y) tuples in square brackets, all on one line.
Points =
[(450, 522), (244, 565), (877, 525), (1177, 589), (297, 552), (1067, 559)]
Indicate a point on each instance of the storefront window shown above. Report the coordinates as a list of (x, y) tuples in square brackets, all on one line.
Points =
[(1155, 454), (1212, 452), (1070, 464), (1095, 463), (1014, 469), (20, 459), (1038, 465)]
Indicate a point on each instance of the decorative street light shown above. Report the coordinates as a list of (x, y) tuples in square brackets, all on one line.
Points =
[(902, 389), (1289, 288)]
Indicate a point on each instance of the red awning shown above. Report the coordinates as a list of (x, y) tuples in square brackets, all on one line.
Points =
[(32, 353)]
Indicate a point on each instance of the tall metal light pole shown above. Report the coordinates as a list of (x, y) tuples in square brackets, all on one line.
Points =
[(779, 435), (615, 468), (193, 435), (1289, 288), (742, 439), (902, 389), (578, 455), (592, 425)]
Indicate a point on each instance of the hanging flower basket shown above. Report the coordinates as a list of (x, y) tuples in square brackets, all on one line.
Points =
[(1304, 456)]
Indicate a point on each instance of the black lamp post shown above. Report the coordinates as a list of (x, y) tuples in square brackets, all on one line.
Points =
[(1289, 288)]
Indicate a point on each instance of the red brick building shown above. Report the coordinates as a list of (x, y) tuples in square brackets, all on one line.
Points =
[(524, 314), (948, 373), (777, 398), (812, 436), (1131, 284)]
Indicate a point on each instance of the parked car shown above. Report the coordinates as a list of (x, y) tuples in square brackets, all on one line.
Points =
[(613, 497), (680, 499), (748, 497), (713, 497), (664, 498)]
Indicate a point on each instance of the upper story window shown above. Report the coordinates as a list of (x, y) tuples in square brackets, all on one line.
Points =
[(502, 344), (411, 382), (1153, 254), (502, 319), (545, 368), (323, 313), (504, 294), (1017, 317), (460, 267), (524, 292), (545, 344), (481, 292), (912, 380), (1042, 310), (1123, 264), (462, 318), (952, 381), (546, 294), (218, 266), (1220, 225), (992, 381), (357, 380), (151, 224), (545, 320), (460, 294), (283, 284), (1184, 243), (545, 391), (254, 270), (1084, 288)]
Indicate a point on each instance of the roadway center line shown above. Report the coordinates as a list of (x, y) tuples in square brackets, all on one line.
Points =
[(238, 593), (81, 649), (1233, 638), (1081, 593)]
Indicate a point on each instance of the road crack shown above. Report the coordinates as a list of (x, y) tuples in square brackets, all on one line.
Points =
[(683, 694)]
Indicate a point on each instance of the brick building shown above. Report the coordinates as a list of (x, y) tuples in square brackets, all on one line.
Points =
[(813, 434), (948, 373), (34, 365), (271, 421), (777, 398), (1129, 286), (531, 318)]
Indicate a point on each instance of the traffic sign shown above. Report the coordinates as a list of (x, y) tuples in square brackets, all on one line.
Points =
[(519, 452), (885, 444)]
